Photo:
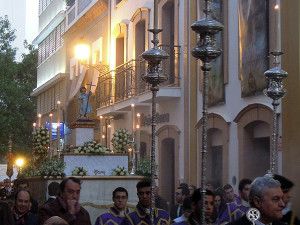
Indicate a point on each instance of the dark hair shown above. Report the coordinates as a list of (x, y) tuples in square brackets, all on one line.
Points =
[(192, 186), (22, 181), (82, 88), (62, 184), (184, 190), (17, 193), (187, 203), (243, 183), (197, 195), (53, 188), (227, 186), (184, 185), (143, 183), (120, 189)]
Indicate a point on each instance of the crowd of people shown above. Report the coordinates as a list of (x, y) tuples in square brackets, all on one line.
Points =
[(267, 195)]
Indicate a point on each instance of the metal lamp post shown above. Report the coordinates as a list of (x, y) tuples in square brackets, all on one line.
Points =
[(154, 77), (275, 91), (206, 51)]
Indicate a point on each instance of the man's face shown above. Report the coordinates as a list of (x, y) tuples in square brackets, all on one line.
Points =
[(209, 206), (22, 202), (217, 201), (245, 192), (229, 194), (144, 195), (286, 196), (7, 184), (120, 200), (71, 191), (271, 205), (179, 196), (23, 187)]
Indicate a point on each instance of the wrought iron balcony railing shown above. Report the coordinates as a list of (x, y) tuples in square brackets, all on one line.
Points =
[(126, 80)]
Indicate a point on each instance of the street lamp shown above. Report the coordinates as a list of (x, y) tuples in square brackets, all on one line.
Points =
[(206, 51), (154, 77), (19, 164)]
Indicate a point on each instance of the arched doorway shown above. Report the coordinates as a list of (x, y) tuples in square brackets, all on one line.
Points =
[(167, 169), (256, 149), (217, 149), (254, 130)]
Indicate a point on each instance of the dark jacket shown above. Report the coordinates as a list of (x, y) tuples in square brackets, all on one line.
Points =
[(244, 221), (173, 211), (6, 217), (27, 219), (54, 208)]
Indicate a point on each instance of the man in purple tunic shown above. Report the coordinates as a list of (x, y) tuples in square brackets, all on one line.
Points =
[(235, 210), (117, 212), (141, 214)]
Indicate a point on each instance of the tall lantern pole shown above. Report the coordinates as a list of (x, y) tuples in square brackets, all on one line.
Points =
[(275, 89), (206, 51), (154, 77)]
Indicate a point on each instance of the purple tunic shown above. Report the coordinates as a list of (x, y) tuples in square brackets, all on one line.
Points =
[(139, 216), (232, 211), (112, 217)]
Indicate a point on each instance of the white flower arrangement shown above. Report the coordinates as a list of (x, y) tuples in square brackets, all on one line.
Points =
[(80, 171), (120, 171), (92, 147), (40, 142), (121, 140)]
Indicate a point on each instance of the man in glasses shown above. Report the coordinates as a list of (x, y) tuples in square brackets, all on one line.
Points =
[(118, 211), (141, 214)]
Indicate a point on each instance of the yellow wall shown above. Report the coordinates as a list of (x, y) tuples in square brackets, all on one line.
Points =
[(291, 103)]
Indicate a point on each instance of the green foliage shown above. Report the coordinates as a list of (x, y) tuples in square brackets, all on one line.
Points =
[(17, 80), (49, 167), (144, 167)]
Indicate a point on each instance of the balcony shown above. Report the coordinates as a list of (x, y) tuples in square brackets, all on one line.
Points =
[(116, 87), (77, 8)]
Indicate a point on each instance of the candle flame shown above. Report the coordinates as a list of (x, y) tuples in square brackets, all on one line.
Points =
[(103, 136), (132, 105), (50, 114), (137, 126), (138, 115), (58, 102), (34, 124), (40, 115), (101, 117), (276, 7), (109, 126)]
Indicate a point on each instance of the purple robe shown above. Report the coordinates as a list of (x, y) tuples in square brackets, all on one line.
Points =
[(138, 216), (232, 211), (112, 217)]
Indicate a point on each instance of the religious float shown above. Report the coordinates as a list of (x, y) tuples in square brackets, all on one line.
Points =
[(100, 169)]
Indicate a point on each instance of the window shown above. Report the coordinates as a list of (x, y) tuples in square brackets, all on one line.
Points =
[(51, 43)]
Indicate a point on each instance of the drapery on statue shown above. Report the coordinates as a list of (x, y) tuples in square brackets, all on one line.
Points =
[(85, 107)]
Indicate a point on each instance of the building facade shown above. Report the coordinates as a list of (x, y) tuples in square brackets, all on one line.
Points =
[(240, 115)]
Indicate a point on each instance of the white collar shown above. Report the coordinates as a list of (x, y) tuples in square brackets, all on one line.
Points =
[(287, 208)]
